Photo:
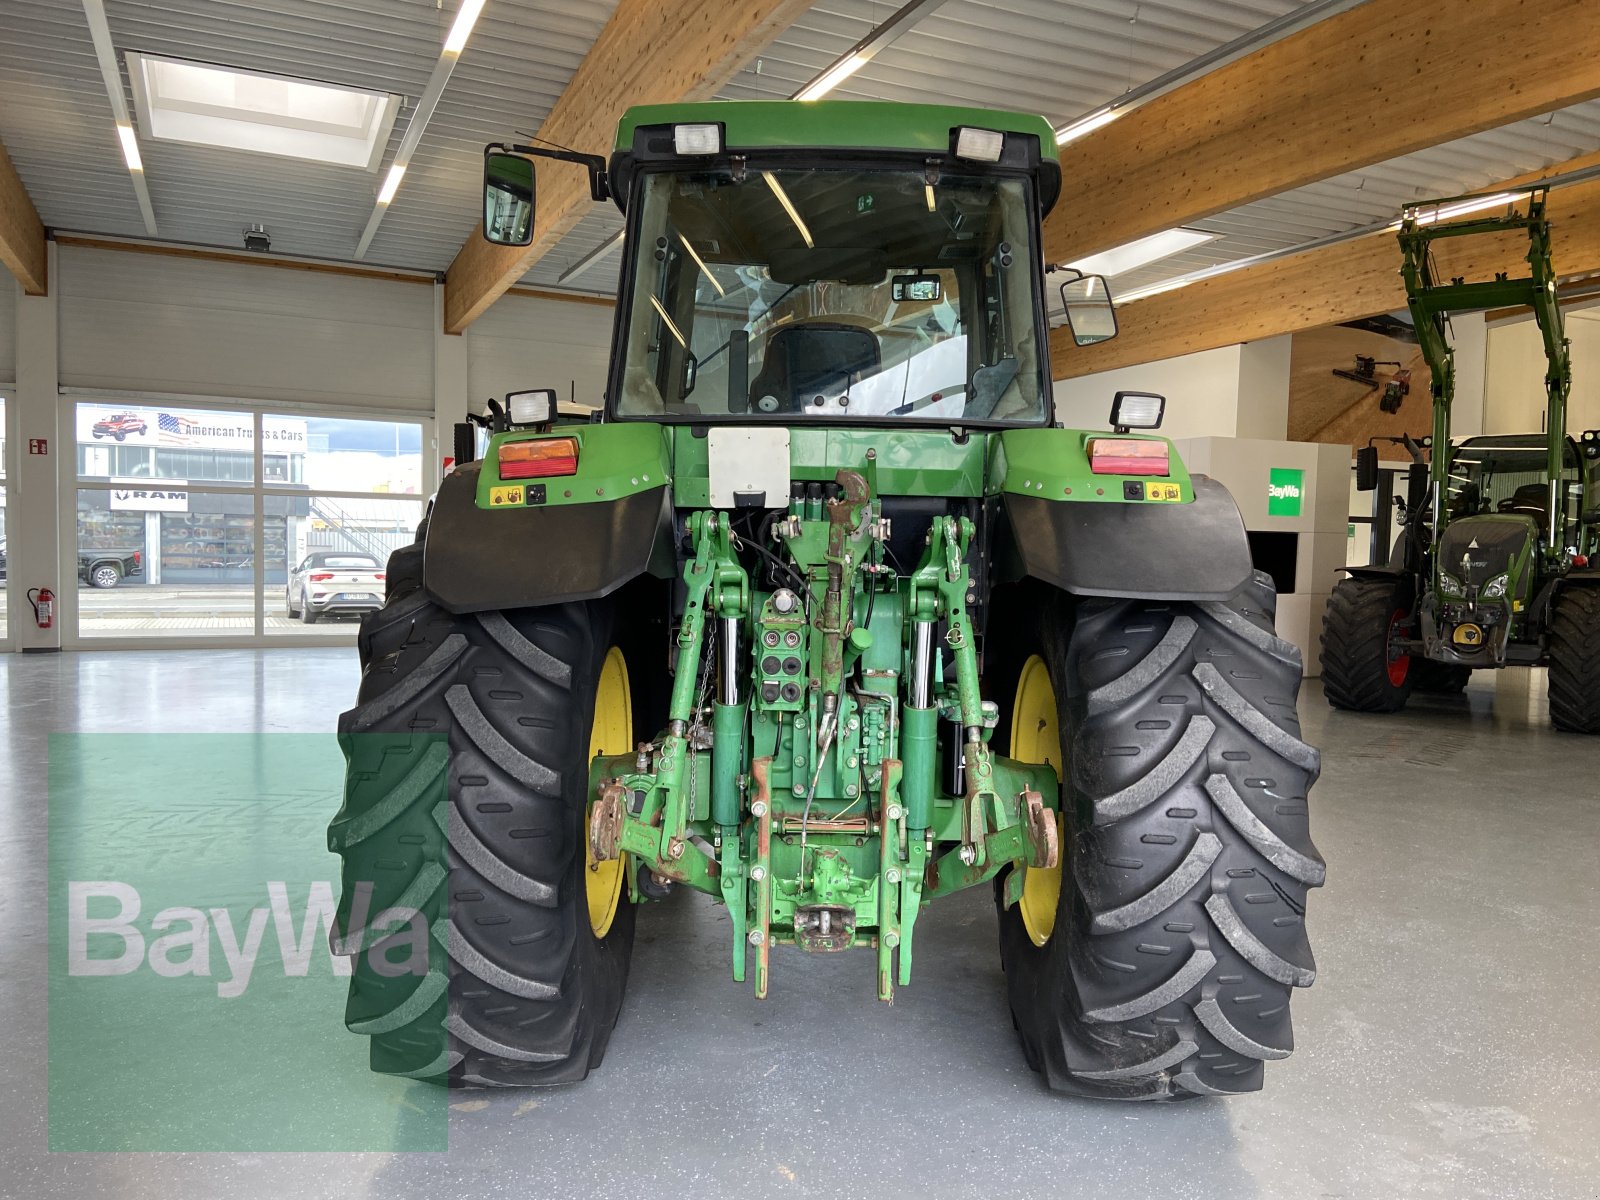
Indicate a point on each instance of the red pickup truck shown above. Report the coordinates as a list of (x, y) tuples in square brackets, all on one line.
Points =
[(119, 426)]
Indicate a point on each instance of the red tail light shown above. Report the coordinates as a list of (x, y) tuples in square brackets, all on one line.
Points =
[(321, 577), (539, 459), (380, 575), (1127, 456), (138, 557)]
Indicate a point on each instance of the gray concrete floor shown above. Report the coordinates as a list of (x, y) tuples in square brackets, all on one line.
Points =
[(1448, 1049)]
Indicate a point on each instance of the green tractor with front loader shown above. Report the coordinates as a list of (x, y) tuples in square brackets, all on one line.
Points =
[(823, 618), (1497, 562)]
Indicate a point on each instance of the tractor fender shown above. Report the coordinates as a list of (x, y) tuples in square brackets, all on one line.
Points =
[(477, 560), (1539, 610), (1137, 551), (1374, 571)]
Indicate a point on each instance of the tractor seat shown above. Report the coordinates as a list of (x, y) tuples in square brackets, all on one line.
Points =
[(814, 358), (1529, 500)]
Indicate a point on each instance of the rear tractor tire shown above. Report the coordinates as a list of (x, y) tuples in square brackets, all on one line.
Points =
[(1359, 671), (1575, 660), (1158, 961), (529, 939)]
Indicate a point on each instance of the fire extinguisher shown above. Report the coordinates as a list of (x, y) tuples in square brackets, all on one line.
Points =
[(44, 606)]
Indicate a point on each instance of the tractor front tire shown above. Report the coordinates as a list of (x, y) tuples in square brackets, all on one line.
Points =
[(474, 812), (1165, 970), (1575, 660), (1358, 672)]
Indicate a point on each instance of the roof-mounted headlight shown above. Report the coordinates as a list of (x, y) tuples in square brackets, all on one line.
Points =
[(979, 145), (697, 139)]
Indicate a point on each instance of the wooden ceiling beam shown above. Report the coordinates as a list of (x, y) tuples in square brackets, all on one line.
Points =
[(22, 246), (1386, 78), (650, 52), (1343, 282)]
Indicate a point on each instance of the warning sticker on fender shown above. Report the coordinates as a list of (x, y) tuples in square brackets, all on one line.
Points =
[(501, 497), (1163, 491)]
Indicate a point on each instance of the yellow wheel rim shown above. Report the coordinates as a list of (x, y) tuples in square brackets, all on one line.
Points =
[(1036, 738), (612, 733)]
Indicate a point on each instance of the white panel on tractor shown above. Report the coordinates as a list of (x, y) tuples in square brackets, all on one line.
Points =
[(749, 467)]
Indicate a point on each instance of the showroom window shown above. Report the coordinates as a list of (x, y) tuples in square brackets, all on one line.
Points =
[(205, 523)]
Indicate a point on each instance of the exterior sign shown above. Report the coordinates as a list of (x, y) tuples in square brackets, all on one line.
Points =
[(141, 497), (191, 428), (1285, 490)]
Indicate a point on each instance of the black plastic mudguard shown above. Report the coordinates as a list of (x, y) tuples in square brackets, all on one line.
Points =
[(478, 560), (1140, 551), (1374, 571)]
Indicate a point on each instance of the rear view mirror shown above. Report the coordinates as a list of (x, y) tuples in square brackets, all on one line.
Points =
[(508, 194), (916, 287), (1090, 315), (1367, 469)]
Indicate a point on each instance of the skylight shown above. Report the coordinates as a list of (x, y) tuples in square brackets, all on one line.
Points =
[(206, 105)]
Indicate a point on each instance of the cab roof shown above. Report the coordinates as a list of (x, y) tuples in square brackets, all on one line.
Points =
[(849, 124)]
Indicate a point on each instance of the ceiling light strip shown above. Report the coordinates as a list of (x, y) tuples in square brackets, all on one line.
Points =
[(100, 33), (466, 17), (859, 55), (1247, 43)]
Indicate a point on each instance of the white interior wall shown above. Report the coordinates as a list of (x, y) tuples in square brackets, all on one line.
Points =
[(150, 323), (1514, 377), (1233, 391), (528, 342)]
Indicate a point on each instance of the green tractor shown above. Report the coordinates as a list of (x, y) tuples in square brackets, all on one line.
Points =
[(822, 617), (1496, 565)]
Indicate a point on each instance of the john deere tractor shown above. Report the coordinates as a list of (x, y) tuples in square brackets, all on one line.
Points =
[(1497, 563), (823, 618)]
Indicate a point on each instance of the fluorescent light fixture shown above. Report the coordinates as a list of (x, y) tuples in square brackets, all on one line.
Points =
[(697, 139), (701, 263), (1141, 252), (130, 147), (671, 328), (206, 105), (1446, 212), (832, 77), (1155, 289), (788, 207), (461, 28), (1083, 125), (391, 183), (927, 194)]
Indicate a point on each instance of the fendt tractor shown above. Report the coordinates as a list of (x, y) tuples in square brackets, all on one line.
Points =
[(1497, 563), (824, 618)]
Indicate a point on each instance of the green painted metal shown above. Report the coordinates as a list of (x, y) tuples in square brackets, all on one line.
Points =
[(1442, 604), (1431, 301), (1054, 465), (614, 461), (824, 811), (842, 124)]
